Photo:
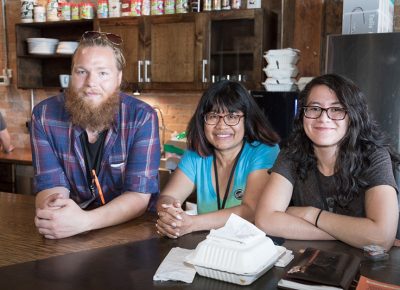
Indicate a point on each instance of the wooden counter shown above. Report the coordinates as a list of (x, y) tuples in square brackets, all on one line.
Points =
[(21, 156), (20, 241)]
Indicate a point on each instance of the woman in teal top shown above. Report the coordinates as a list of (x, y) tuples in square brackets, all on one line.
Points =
[(231, 146)]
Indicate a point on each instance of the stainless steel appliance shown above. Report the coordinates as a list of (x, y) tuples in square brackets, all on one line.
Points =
[(372, 61)]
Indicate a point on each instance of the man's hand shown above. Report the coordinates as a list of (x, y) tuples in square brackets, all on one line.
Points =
[(61, 217)]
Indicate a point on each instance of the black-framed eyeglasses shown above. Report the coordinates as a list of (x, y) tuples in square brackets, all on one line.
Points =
[(230, 119), (333, 113), (111, 37)]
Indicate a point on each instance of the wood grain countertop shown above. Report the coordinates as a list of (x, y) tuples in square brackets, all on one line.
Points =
[(20, 242), (21, 156)]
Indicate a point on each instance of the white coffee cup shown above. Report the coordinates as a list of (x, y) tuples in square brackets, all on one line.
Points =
[(64, 80)]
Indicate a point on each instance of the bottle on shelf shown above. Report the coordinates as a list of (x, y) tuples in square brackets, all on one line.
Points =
[(182, 6), (52, 11), (207, 5), (216, 5), (64, 10), (226, 5), (86, 10), (75, 10), (157, 7), (102, 9), (114, 8), (39, 13), (146, 7), (27, 10), (136, 8), (169, 7), (126, 9)]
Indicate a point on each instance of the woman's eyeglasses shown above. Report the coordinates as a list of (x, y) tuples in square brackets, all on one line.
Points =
[(333, 113), (111, 37), (229, 119)]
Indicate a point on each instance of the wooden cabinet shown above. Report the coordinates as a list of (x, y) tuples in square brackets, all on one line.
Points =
[(131, 30), (162, 52), (190, 51), (166, 52), (7, 177), (42, 71), (238, 40)]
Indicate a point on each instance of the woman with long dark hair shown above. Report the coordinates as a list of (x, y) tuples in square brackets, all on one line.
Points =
[(335, 177), (231, 146)]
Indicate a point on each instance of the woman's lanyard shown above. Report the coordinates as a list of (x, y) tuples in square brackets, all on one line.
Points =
[(229, 180)]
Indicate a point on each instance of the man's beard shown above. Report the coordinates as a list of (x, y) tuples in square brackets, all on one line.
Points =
[(87, 116)]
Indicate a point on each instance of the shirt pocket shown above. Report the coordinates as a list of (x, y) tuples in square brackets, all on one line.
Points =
[(117, 173)]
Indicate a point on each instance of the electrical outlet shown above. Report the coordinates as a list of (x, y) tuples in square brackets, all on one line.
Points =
[(4, 81)]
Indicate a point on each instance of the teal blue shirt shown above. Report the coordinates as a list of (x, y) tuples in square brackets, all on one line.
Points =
[(198, 169)]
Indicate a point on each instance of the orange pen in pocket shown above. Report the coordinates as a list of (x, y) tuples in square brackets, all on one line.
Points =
[(96, 181)]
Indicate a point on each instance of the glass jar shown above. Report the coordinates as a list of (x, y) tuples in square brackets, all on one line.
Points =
[(102, 9), (86, 11)]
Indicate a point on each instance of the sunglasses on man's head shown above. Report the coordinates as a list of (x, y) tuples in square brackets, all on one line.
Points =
[(111, 37)]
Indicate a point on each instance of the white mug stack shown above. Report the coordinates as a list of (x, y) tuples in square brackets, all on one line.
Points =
[(281, 70)]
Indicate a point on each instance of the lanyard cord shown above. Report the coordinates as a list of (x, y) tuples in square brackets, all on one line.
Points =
[(229, 180)]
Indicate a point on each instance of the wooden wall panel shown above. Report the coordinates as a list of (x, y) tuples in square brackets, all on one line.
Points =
[(307, 35)]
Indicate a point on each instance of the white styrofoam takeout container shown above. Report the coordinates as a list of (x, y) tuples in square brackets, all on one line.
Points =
[(281, 57), (290, 71), (234, 262)]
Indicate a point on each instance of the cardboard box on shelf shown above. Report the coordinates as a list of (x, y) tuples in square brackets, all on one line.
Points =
[(367, 16)]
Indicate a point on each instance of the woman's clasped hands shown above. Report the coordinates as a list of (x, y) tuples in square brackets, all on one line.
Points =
[(172, 220)]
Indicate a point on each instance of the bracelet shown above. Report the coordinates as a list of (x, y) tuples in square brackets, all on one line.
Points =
[(316, 220)]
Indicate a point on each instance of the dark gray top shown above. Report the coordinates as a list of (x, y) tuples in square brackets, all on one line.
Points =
[(318, 190), (3, 124)]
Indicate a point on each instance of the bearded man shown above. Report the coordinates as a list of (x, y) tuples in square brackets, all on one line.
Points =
[(96, 150)]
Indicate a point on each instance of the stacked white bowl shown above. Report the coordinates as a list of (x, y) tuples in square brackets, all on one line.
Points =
[(42, 45), (281, 70)]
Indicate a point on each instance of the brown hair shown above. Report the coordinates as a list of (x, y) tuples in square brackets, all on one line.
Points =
[(103, 41)]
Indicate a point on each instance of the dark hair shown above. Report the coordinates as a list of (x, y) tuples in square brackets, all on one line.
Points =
[(233, 97), (362, 138)]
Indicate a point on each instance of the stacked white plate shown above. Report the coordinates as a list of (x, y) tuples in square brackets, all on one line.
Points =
[(42, 45), (281, 70), (67, 47)]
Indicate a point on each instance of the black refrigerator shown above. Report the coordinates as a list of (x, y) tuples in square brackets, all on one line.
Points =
[(280, 109), (372, 61)]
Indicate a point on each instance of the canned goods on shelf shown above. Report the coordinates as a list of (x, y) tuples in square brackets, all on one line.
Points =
[(75, 11), (182, 6), (136, 8), (236, 4), (102, 9), (157, 7), (169, 7), (86, 11), (225, 4), (52, 11), (27, 10), (65, 11), (39, 14), (207, 5), (126, 8), (114, 8), (146, 7), (216, 4)]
